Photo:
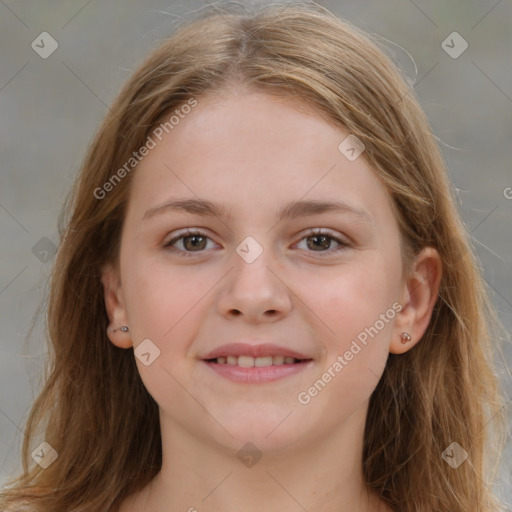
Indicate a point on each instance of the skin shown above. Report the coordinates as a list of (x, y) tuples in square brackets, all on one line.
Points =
[(254, 153)]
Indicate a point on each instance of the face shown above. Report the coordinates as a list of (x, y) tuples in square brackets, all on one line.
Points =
[(268, 267)]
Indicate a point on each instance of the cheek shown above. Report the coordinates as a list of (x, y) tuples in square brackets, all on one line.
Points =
[(162, 305), (356, 308), (153, 306), (163, 301), (360, 322), (354, 298)]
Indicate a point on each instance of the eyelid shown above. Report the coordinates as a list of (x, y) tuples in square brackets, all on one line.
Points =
[(326, 231), (184, 233)]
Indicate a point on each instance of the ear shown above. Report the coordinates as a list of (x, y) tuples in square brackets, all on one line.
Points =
[(114, 304), (418, 296)]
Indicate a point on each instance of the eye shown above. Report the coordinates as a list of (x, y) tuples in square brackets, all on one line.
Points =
[(319, 239), (192, 241)]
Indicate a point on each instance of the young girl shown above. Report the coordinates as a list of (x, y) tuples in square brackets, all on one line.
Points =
[(264, 297)]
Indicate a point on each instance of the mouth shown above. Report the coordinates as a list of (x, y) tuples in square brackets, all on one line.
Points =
[(247, 362), (255, 362)]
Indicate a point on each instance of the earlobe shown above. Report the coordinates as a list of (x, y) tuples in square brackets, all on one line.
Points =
[(117, 331), (419, 295)]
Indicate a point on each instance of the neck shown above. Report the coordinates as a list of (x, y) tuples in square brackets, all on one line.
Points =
[(320, 476)]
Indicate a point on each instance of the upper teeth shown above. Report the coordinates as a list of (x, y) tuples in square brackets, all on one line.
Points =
[(249, 362)]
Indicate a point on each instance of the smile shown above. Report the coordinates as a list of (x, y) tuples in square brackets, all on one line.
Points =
[(260, 362), (247, 369)]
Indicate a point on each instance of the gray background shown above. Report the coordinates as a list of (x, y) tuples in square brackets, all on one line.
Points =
[(51, 107)]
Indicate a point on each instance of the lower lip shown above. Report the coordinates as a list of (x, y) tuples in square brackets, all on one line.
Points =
[(257, 374)]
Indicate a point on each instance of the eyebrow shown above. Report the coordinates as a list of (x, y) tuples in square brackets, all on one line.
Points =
[(290, 211)]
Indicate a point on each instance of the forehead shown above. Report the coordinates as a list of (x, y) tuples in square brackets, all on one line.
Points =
[(254, 149)]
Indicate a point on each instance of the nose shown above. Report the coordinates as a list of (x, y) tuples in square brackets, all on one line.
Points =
[(256, 291)]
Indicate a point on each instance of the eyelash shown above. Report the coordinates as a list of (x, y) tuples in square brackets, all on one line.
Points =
[(314, 232)]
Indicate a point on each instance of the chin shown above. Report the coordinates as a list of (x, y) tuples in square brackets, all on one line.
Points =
[(265, 432)]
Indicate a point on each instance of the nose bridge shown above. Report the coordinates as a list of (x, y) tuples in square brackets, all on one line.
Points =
[(253, 263), (253, 288)]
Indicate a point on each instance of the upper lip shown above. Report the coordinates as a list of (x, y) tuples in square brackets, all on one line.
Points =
[(247, 349)]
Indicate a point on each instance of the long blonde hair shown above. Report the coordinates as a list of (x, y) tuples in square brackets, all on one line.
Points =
[(443, 390)]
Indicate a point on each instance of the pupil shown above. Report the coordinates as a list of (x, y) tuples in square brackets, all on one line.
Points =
[(194, 243), (325, 241)]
